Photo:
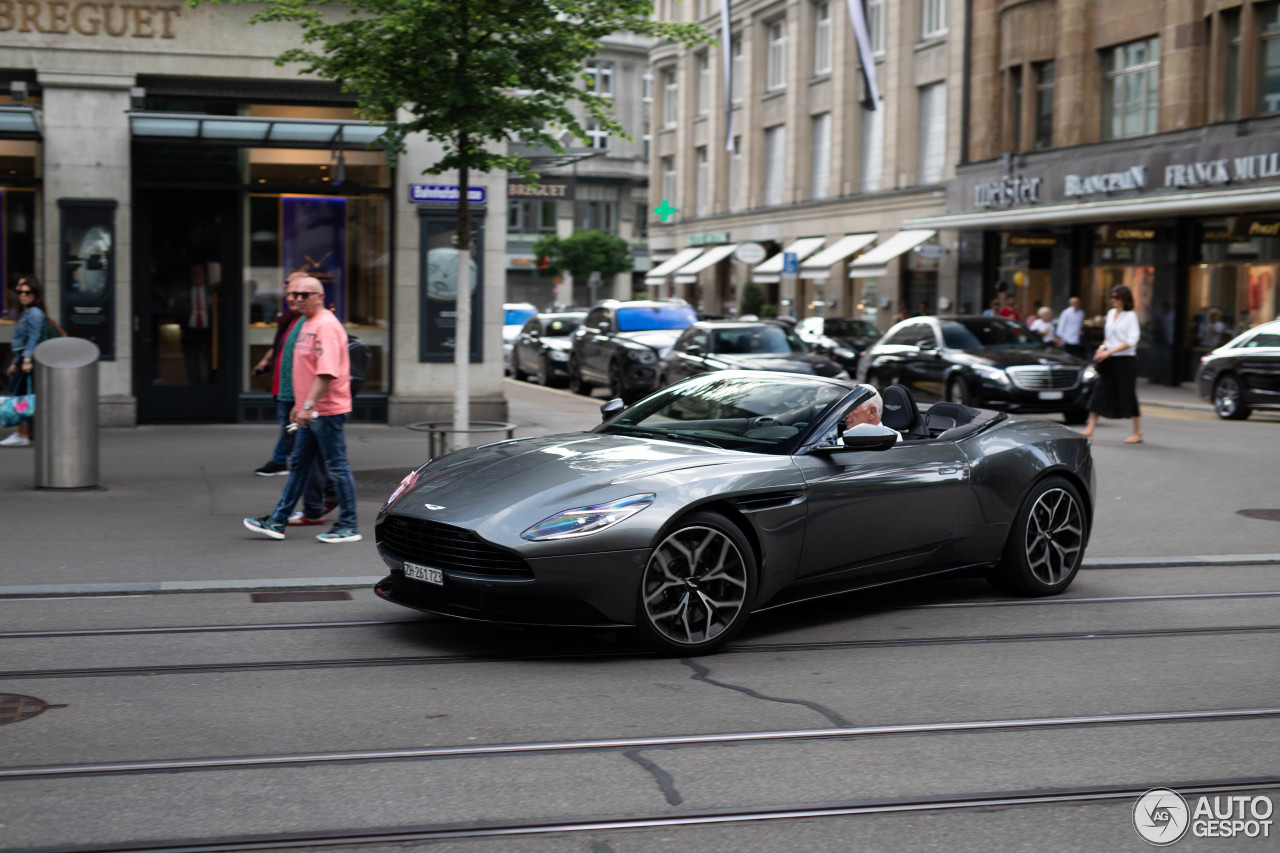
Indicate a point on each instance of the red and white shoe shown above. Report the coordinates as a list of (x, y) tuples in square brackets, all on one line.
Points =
[(300, 520)]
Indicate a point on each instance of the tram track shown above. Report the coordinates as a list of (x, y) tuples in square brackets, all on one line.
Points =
[(733, 648), (380, 623), (243, 762), (657, 820)]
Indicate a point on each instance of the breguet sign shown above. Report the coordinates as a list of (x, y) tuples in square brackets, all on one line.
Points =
[(1158, 171), (138, 20)]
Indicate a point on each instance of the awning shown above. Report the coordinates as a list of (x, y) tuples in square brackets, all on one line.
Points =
[(20, 123), (876, 262), (658, 274), (1208, 203), (688, 274), (771, 270), (819, 266), (255, 131)]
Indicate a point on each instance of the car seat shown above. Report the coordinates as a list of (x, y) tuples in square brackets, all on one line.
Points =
[(901, 413), (947, 415)]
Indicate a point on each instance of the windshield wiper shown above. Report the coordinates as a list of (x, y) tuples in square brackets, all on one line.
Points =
[(692, 439)]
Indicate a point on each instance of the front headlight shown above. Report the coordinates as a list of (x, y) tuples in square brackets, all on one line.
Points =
[(993, 374), (410, 480), (642, 356), (585, 520), (1089, 374), (844, 352), (559, 355)]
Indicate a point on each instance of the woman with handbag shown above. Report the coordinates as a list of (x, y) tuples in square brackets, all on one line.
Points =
[(1116, 395), (26, 334)]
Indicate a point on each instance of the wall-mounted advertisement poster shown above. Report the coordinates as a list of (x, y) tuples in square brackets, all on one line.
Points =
[(88, 282)]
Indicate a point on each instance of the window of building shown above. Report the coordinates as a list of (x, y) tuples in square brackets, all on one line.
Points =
[(597, 136), (1015, 108), (701, 199), (1268, 17), (735, 175), (932, 155), (775, 72), (598, 216), (820, 160), (775, 164), (703, 61), (875, 25), (647, 138), (872, 160), (600, 77), (642, 221), (646, 88), (669, 179), (1131, 89), (822, 39), (531, 216), (670, 104), (736, 69), (933, 18), (1044, 104), (1231, 78)]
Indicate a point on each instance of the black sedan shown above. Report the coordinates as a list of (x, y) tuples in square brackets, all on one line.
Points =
[(1244, 374), (541, 350), (990, 362), (742, 345), (841, 339), (732, 493)]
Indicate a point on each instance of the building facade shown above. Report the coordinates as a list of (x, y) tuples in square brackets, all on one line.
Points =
[(1125, 143), (603, 185), (162, 176), (770, 138)]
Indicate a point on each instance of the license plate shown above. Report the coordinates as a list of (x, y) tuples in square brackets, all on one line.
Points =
[(424, 573), (1050, 395)]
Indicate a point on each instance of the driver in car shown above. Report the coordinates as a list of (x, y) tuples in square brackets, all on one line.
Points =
[(866, 412)]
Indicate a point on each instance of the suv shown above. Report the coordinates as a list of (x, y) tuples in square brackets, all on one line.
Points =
[(620, 343)]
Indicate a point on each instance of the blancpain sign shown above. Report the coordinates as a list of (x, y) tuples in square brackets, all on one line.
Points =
[(1133, 178)]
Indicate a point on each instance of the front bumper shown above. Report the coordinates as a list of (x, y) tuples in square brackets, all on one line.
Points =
[(1017, 401)]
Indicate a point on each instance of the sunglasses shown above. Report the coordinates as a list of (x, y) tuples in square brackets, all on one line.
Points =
[(302, 294), (25, 292)]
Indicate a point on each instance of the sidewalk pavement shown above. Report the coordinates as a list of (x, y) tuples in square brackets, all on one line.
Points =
[(169, 515)]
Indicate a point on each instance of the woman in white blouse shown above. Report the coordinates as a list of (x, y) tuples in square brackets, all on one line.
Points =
[(1116, 395)]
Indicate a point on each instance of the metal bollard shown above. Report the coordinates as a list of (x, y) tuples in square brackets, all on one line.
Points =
[(66, 414)]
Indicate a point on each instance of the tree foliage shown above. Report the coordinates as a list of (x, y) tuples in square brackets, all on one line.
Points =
[(583, 253)]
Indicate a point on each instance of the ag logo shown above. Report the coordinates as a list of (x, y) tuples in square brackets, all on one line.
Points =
[(433, 506), (1161, 816)]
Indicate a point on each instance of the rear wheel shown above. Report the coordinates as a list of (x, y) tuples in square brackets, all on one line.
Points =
[(516, 373), (1046, 544), (1228, 398), (696, 590), (958, 391), (577, 384), (543, 376)]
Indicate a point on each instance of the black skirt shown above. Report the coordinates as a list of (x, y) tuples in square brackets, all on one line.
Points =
[(1116, 394)]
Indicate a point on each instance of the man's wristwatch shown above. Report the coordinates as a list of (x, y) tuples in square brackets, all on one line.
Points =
[(308, 406)]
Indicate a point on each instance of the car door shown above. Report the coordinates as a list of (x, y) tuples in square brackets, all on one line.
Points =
[(931, 365), (595, 345), (524, 356), (881, 515), (1260, 369)]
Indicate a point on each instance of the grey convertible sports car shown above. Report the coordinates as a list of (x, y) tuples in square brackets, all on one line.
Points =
[(732, 493)]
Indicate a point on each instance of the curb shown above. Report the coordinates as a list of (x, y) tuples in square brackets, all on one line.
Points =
[(367, 581)]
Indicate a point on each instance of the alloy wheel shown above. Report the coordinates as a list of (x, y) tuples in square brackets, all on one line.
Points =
[(1055, 536), (1226, 398), (695, 587)]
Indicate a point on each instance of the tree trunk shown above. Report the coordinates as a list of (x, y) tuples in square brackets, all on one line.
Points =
[(462, 311)]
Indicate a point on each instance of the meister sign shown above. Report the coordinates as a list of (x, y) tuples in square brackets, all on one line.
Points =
[(1014, 190), (138, 20)]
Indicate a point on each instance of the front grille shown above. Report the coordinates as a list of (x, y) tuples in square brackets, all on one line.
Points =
[(450, 548), (1042, 378)]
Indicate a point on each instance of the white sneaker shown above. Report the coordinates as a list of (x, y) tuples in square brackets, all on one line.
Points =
[(15, 440)]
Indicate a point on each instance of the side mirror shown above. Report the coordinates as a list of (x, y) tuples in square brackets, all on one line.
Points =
[(928, 344), (603, 327), (534, 333), (611, 408), (869, 437), (693, 350)]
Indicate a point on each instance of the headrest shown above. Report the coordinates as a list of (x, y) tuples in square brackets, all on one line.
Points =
[(900, 411)]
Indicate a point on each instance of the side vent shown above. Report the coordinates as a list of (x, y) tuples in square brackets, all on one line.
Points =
[(772, 500)]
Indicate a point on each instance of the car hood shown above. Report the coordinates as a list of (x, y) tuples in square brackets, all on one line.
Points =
[(561, 343), (794, 363), (659, 339), (1016, 357)]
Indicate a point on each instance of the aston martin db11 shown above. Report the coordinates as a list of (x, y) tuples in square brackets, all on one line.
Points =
[(732, 493)]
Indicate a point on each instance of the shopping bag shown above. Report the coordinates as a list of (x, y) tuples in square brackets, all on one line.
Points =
[(14, 410)]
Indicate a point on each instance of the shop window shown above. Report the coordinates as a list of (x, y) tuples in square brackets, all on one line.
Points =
[(18, 208), (1234, 288), (1121, 255), (1268, 17), (1131, 89), (1044, 72)]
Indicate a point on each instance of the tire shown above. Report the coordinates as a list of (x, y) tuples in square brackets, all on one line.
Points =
[(1228, 398), (618, 387), (543, 376), (958, 391), (577, 384), (697, 587), (516, 373), (1075, 417), (1046, 544)]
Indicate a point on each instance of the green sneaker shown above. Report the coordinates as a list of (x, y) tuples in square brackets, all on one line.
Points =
[(339, 534), (266, 526)]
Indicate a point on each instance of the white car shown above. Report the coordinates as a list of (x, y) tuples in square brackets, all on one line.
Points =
[(514, 315)]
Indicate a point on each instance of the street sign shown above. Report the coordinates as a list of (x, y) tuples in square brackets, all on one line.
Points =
[(445, 193), (750, 253), (790, 263), (931, 251)]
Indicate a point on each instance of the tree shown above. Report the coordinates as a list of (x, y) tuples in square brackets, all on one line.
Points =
[(583, 253), (752, 299), (470, 75)]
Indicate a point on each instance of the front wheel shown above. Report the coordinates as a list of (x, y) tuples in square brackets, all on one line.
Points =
[(1228, 399), (958, 391), (1046, 544), (697, 587)]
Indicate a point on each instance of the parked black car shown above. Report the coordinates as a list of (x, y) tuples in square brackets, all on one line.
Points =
[(842, 339), (620, 344), (1243, 374), (990, 362), (742, 345), (541, 350)]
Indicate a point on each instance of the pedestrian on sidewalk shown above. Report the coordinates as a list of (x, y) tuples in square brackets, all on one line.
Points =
[(322, 403), (1116, 394), (282, 391), (26, 334), (1070, 326)]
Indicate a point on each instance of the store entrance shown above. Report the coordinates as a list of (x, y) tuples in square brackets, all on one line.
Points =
[(186, 280)]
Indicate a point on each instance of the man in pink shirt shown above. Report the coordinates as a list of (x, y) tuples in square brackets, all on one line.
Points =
[(322, 403)]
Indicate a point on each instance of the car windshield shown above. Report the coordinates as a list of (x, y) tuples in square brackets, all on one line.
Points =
[(765, 339), (843, 327), (561, 326), (644, 318), (733, 412), (983, 332), (517, 316)]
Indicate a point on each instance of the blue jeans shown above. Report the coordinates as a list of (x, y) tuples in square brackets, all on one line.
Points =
[(284, 444), (326, 439)]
